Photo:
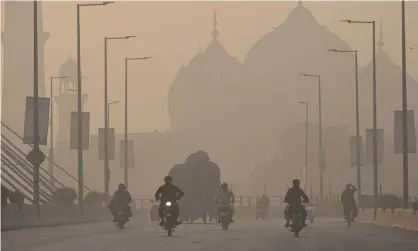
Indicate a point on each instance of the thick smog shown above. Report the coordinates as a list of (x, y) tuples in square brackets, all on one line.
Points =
[(209, 125)]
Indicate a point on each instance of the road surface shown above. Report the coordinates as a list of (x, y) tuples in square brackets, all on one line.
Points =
[(244, 235)]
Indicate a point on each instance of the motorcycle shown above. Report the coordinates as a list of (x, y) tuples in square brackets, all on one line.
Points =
[(121, 219), (296, 225), (225, 217), (260, 213), (349, 217), (169, 221)]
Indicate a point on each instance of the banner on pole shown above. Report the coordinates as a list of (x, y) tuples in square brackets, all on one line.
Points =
[(398, 130), (43, 115), (131, 157), (353, 151), (85, 120), (369, 146), (110, 143)]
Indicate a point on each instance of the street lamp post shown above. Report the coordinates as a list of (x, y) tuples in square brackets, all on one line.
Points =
[(36, 166), (321, 161), (106, 126), (375, 167), (126, 117), (80, 108), (306, 143), (405, 114), (51, 122), (357, 117)]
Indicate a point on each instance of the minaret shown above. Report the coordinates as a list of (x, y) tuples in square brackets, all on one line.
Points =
[(215, 32), (380, 44), (17, 72), (66, 101)]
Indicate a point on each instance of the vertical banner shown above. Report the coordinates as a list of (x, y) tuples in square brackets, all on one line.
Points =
[(353, 151), (110, 143), (85, 120), (369, 146), (43, 114), (131, 157), (398, 129)]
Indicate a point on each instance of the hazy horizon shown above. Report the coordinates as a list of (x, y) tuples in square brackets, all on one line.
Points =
[(186, 28)]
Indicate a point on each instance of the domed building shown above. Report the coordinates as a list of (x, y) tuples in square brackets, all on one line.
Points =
[(202, 91), (389, 91), (299, 45)]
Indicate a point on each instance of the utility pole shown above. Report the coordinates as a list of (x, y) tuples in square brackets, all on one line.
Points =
[(36, 166), (126, 168), (405, 115)]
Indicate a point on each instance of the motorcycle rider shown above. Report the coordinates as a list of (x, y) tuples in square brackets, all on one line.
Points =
[(120, 199), (263, 203), (293, 199), (168, 192), (349, 201), (225, 199)]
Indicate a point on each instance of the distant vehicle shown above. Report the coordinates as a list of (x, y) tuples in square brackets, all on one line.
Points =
[(310, 209)]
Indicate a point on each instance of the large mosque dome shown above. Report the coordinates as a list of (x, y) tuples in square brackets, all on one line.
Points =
[(294, 44), (299, 45), (200, 93)]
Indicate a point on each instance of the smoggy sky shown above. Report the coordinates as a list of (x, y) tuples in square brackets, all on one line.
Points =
[(173, 32)]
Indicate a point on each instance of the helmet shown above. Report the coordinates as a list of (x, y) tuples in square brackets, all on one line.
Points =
[(168, 179), (224, 186), (122, 186), (296, 182)]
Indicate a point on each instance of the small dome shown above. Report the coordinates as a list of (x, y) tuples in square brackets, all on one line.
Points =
[(68, 68)]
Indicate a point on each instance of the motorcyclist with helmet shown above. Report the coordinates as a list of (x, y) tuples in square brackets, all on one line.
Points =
[(226, 199), (348, 200), (120, 200), (294, 198), (168, 192)]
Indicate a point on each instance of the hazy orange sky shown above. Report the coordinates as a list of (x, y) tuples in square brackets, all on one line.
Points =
[(173, 32)]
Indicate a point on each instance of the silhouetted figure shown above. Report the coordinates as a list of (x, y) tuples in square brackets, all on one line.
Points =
[(349, 201), (225, 199), (294, 198), (120, 201), (171, 193)]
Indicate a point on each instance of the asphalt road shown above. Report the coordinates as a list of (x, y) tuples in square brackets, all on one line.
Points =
[(244, 235)]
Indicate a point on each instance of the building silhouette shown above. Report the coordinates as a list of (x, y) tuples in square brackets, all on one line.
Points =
[(17, 72), (66, 100)]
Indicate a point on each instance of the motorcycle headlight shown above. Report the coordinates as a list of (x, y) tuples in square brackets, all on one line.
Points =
[(168, 203)]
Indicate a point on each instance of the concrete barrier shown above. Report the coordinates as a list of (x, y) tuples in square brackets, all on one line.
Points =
[(12, 218), (399, 218)]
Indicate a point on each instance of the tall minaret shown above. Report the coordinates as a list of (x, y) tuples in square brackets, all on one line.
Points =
[(17, 72), (215, 32)]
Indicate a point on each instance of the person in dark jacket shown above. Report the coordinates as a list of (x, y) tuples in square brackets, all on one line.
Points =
[(294, 198), (121, 199), (168, 192), (349, 201)]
